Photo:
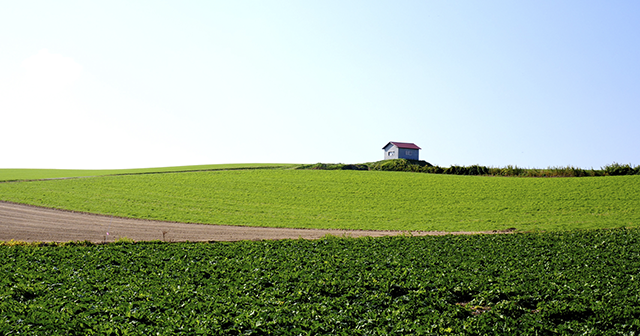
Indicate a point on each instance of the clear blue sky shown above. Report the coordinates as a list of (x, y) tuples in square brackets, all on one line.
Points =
[(122, 84)]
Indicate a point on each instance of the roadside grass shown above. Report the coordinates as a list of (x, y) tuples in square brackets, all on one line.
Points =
[(38, 174), (339, 199)]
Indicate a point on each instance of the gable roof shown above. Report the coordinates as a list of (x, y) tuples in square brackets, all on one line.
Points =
[(407, 145)]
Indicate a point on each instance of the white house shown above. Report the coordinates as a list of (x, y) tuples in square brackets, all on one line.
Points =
[(401, 150)]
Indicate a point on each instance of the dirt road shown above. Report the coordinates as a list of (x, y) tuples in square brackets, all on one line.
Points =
[(31, 223)]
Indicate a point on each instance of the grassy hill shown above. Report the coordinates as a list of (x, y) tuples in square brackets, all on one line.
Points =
[(38, 174), (346, 199)]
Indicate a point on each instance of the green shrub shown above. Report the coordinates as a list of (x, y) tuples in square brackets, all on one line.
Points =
[(478, 170), (124, 240), (433, 169), (355, 167), (334, 166), (512, 171), (421, 166), (399, 165), (617, 169)]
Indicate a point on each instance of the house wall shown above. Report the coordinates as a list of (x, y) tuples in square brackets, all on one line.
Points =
[(390, 152), (409, 154)]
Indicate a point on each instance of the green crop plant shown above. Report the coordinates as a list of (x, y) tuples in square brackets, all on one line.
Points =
[(582, 282)]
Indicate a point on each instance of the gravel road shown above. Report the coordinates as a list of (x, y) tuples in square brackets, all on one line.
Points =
[(30, 223)]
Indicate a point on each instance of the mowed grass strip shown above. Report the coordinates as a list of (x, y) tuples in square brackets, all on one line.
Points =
[(38, 174), (367, 200)]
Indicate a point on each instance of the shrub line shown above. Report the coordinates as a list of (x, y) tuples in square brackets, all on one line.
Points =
[(415, 166)]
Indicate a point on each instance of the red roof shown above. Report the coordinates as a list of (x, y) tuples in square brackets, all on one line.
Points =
[(407, 145)]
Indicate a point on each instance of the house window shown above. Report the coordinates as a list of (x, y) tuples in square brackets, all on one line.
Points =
[(408, 153), (391, 153)]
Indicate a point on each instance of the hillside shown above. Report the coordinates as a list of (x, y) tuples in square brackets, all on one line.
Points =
[(37, 174), (344, 199)]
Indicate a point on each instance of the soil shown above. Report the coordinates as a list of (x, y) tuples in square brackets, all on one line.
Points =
[(36, 224)]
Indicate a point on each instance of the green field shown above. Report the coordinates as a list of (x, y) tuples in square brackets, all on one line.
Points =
[(36, 174), (554, 283), (558, 282), (373, 200)]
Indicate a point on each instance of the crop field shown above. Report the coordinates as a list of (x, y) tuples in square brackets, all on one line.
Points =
[(35, 174), (364, 200), (581, 282)]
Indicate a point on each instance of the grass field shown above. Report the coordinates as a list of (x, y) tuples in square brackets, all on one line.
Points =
[(347, 199), (36, 174), (554, 283)]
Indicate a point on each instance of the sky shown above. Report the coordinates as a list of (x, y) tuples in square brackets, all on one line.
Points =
[(122, 84)]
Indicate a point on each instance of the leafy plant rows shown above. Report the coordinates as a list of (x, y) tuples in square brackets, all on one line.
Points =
[(563, 283)]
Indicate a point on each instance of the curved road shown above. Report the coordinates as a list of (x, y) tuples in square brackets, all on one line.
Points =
[(30, 223)]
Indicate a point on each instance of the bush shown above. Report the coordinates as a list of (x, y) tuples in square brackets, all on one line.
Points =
[(124, 240), (425, 167), (399, 165), (617, 169), (433, 169), (334, 166), (355, 167), (512, 171)]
